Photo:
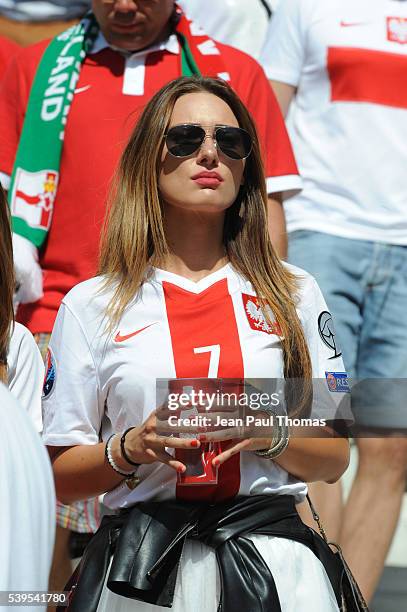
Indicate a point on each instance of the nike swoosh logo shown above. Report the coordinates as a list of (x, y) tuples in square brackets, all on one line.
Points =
[(80, 89), (119, 338), (349, 24)]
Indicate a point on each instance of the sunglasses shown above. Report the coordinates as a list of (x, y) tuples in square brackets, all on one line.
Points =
[(185, 139)]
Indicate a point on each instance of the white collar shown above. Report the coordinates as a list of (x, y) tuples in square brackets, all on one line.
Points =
[(171, 44)]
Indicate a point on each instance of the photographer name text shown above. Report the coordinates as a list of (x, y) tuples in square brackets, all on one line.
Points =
[(201, 420)]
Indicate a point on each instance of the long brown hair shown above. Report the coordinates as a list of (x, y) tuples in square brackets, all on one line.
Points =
[(6, 284), (134, 236)]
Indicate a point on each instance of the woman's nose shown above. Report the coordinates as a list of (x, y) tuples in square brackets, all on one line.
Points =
[(208, 151)]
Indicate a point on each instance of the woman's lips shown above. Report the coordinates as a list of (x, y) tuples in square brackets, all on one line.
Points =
[(208, 179)]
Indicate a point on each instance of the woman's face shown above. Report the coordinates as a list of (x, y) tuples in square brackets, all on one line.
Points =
[(206, 181)]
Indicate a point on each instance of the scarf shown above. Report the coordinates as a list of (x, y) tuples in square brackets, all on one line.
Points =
[(34, 179)]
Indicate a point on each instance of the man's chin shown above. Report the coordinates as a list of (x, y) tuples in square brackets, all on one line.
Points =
[(128, 41)]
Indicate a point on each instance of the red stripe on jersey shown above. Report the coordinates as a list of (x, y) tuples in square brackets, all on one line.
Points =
[(196, 321), (364, 75)]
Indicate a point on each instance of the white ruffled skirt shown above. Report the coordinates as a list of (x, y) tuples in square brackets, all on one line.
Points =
[(301, 581)]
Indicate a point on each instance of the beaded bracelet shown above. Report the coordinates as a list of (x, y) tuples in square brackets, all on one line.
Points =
[(111, 462)]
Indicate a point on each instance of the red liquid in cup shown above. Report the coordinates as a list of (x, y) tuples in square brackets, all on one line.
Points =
[(198, 462)]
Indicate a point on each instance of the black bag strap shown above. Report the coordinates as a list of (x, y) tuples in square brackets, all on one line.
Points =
[(317, 519), (352, 598)]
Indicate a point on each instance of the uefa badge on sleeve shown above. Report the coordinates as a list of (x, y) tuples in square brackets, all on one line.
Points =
[(50, 375), (337, 382)]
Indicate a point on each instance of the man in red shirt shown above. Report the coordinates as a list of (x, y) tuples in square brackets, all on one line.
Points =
[(7, 49)]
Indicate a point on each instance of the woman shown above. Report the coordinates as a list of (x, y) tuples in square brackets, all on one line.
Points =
[(21, 367), (184, 255)]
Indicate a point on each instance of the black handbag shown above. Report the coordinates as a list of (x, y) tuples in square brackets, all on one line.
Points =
[(351, 595)]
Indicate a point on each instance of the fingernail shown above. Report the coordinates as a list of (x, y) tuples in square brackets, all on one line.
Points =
[(215, 462), (195, 443), (180, 469)]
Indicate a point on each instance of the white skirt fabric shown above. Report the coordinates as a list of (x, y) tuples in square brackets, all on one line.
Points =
[(301, 581)]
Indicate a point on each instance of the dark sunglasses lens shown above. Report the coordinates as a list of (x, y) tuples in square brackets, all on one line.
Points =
[(234, 142), (183, 140)]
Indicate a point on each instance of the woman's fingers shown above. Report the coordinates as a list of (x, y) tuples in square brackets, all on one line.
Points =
[(233, 450), (164, 457), (231, 433), (166, 429), (171, 442)]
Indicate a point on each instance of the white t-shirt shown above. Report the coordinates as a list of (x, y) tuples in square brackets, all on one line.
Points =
[(43, 10), (27, 497), (174, 328), (348, 126), (238, 23), (26, 372)]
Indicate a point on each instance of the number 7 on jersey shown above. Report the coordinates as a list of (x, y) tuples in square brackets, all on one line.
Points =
[(214, 350)]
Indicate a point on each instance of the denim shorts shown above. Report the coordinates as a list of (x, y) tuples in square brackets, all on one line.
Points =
[(365, 286)]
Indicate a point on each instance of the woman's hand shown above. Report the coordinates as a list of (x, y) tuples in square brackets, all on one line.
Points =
[(250, 432), (245, 429), (144, 445), (313, 453)]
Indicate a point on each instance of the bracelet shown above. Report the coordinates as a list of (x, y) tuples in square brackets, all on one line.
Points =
[(279, 442), (275, 450), (123, 450), (111, 462)]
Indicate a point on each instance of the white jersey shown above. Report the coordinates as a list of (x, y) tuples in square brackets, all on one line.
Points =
[(238, 23), (175, 328), (43, 10), (348, 126), (26, 372), (27, 496)]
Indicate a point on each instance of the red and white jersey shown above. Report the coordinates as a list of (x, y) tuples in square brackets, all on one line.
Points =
[(348, 61), (175, 328)]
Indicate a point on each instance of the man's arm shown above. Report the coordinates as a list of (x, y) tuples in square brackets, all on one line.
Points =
[(276, 224), (276, 218), (284, 94)]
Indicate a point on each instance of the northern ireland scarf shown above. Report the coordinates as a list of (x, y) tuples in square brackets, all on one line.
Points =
[(34, 180)]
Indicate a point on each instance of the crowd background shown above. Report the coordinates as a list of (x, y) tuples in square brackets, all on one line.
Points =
[(284, 37)]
